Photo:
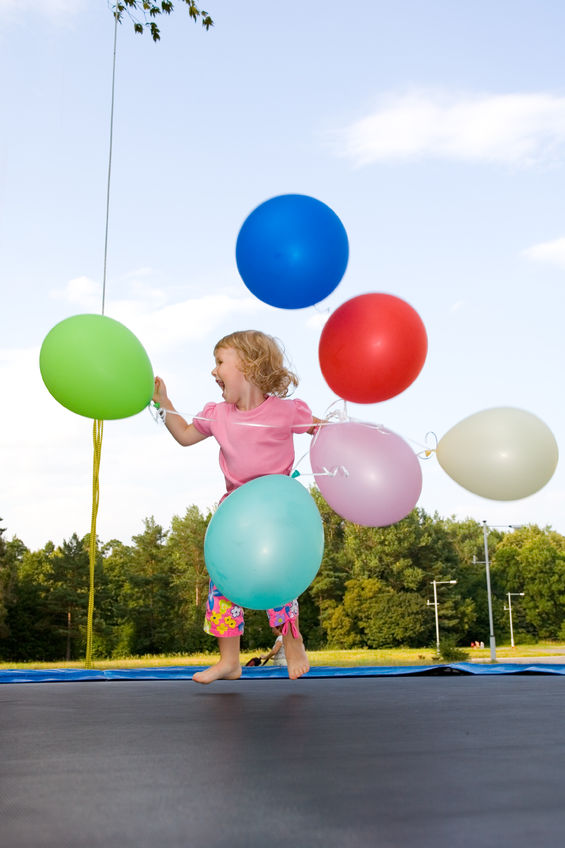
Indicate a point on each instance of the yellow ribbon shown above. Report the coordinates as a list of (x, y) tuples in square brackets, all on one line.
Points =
[(97, 431)]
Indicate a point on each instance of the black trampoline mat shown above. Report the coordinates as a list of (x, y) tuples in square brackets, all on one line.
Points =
[(443, 761)]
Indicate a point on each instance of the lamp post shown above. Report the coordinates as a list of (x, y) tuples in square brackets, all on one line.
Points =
[(486, 527), (435, 584), (492, 640), (509, 610)]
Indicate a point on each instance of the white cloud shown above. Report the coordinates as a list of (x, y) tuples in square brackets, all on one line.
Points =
[(551, 252), (168, 325), (82, 291), (513, 129), (44, 449), (187, 321), (86, 293), (317, 319), (457, 306)]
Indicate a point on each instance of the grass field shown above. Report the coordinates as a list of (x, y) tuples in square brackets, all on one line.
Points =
[(361, 657)]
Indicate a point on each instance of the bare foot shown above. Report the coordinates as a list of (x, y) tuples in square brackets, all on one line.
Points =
[(296, 657), (221, 671)]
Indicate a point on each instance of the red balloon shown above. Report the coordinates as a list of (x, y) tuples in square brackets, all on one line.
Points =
[(372, 348)]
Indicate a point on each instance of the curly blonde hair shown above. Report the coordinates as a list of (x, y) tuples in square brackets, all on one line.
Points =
[(262, 361)]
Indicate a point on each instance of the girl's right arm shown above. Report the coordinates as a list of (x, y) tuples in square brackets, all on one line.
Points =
[(184, 433)]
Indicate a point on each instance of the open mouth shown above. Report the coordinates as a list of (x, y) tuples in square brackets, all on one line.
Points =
[(221, 384)]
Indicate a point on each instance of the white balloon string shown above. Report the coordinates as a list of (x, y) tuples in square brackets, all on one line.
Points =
[(339, 469), (341, 416), (161, 412), (331, 417), (296, 472), (427, 451), (153, 412)]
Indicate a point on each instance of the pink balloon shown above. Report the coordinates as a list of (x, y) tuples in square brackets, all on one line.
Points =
[(377, 479)]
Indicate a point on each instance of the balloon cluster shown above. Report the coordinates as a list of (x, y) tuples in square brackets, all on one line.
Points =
[(292, 251), (265, 542)]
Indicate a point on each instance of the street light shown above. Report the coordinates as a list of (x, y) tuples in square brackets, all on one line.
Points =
[(486, 527), (435, 584), (509, 610)]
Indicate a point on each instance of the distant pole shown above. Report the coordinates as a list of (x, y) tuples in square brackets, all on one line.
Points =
[(489, 594), (435, 584), (489, 597), (509, 608), (437, 616), (510, 613)]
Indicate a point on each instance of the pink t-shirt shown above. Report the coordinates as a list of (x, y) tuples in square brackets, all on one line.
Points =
[(247, 452)]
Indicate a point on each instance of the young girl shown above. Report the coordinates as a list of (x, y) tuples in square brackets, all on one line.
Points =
[(254, 427)]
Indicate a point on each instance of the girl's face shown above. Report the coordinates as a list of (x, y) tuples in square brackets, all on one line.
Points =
[(228, 374)]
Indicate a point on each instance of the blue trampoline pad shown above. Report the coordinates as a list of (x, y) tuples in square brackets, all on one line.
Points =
[(64, 675)]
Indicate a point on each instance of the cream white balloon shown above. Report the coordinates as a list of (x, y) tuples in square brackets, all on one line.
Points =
[(503, 453)]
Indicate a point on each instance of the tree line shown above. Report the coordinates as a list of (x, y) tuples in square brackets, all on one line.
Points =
[(371, 591)]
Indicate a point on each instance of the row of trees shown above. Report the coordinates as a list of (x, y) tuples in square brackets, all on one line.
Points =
[(372, 589)]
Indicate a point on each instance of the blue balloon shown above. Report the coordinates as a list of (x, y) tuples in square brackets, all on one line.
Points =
[(292, 251), (265, 542)]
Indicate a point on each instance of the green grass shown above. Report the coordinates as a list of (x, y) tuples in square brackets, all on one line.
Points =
[(348, 658)]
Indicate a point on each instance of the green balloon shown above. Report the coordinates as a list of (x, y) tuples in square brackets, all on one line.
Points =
[(96, 367)]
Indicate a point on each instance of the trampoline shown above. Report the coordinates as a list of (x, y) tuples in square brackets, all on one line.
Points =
[(426, 756)]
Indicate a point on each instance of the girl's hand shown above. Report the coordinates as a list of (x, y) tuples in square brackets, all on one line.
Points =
[(317, 422), (185, 434), (160, 392)]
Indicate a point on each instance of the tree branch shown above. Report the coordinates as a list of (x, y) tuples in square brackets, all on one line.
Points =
[(142, 14)]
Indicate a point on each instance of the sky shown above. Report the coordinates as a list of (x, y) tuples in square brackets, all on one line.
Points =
[(435, 131)]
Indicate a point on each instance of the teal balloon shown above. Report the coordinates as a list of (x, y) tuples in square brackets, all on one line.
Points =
[(96, 367), (265, 542)]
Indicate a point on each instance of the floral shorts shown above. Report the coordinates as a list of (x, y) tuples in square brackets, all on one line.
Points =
[(223, 618)]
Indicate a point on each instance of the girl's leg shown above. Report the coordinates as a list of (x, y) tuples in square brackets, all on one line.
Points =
[(228, 668), (286, 618), (225, 621), (296, 656)]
